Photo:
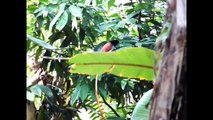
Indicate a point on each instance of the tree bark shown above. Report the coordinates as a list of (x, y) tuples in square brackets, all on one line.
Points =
[(31, 111), (169, 96)]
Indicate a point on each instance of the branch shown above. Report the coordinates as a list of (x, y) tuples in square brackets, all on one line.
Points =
[(55, 58), (132, 4)]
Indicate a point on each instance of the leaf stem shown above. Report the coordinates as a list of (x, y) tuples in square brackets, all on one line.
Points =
[(96, 95), (110, 107)]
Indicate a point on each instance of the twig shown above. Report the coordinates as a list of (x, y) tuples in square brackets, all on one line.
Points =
[(140, 35), (55, 58), (110, 107), (132, 4)]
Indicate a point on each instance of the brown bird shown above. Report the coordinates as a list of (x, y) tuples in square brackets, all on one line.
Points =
[(109, 46)]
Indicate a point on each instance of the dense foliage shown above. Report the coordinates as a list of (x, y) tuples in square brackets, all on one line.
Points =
[(65, 28)]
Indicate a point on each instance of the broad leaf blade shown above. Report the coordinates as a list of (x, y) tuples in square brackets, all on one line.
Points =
[(141, 111), (55, 19), (123, 84), (30, 96), (62, 21), (84, 91), (120, 24), (75, 11), (129, 62), (111, 3), (37, 89), (41, 43), (75, 94)]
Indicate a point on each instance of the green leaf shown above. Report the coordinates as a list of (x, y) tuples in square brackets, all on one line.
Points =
[(55, 19), (75, 94), (104, 26), (132, 14), (38, 53), (40, 21), (62, 21), (120, 24), (111, 3), (115, 15), (28, 44), (30, 96), (131, 84), (84, 91), (75, 11), (41, 43), (141, 111), (102, 90), (98, 19), (128, 62), (55, 36), (140, 6), (37, 89), (108, 37), (132, 20), (123, 84), (66, 41), (54, 1)]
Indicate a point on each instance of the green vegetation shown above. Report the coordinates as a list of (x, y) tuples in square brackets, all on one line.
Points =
[(61, 33)]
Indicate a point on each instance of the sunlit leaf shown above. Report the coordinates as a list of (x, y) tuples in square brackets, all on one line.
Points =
[(120, 24), (41, 42), (123, 84), (140, 6), (28, 44), (55, 19), (62, 21), (129, 62), (75, 11), (37, 89), (111, 3), (105, 26), (54, 1), (30, 96), (132, 14), (141, 111)]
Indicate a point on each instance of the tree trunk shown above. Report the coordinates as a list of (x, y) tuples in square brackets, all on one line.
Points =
[(31, 111), (169, 95)]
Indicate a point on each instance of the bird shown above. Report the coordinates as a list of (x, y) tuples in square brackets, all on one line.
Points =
[(109, 46)]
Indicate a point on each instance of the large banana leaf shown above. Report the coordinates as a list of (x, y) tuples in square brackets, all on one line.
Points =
[(141, 110), (128, 62)]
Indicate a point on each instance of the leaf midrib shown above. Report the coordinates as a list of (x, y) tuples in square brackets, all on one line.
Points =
[(122, 64)]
